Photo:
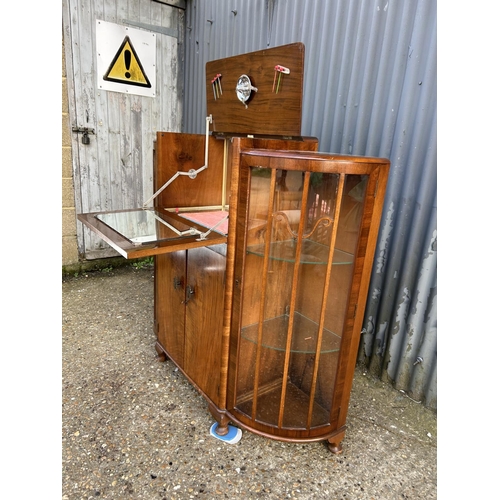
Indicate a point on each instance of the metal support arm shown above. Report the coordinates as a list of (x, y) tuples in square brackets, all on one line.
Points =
[(192, 173)]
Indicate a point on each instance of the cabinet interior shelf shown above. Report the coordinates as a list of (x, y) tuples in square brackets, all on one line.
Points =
[(312, 252), (305, 334), (297, 403)]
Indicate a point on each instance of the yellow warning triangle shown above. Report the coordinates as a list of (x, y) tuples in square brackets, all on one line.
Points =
[(126, 67)]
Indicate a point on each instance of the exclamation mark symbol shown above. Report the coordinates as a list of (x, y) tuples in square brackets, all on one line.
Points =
[(128, 58)]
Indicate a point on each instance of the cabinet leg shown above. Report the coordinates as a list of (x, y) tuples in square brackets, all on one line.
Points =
[(335, 446), (221, 419), (335, 442), (162, 357)]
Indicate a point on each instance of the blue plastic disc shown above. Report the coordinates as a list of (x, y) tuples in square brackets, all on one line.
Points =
[(232, 437)]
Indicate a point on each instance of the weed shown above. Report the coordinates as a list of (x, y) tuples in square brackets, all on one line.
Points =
[(143, 263)]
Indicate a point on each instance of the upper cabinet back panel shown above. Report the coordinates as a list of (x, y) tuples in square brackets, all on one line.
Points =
[(176, 153), (268, 101)]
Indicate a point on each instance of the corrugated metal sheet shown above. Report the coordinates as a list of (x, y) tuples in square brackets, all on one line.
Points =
[(369, 89)]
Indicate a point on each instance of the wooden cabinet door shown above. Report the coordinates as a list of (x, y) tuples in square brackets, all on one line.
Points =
[(170, 284), (204, 318)]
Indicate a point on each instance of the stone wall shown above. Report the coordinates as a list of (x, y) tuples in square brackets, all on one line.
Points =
[(69, 241)]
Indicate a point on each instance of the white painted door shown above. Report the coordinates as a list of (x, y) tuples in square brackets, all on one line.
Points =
[(113, 164)]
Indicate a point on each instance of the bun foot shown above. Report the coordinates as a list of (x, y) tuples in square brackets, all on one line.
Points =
[(221, 430), (335, 444), (162, 357)]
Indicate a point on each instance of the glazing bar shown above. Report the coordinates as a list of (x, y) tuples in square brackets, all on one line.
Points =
[(338, 204), (267, 245), (293, 299)]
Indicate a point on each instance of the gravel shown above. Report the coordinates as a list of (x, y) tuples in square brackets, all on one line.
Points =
[(134, 428)]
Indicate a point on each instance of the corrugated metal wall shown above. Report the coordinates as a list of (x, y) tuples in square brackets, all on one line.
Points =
[(369, 89)]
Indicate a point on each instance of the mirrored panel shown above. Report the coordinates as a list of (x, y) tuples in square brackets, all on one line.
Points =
[(147, 225)]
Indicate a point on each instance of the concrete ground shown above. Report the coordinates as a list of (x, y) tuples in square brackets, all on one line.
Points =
[(134, 428)]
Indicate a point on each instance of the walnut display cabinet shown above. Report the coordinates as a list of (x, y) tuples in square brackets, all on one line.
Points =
[(263, 256), (306, 229)]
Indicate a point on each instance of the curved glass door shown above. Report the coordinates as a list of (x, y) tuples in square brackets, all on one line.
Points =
[(302, 232)]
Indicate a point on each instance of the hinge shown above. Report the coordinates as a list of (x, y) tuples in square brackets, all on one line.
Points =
[(355, 310)]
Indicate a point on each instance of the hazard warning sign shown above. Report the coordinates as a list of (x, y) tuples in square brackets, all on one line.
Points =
[(125, 59), (126, 67)]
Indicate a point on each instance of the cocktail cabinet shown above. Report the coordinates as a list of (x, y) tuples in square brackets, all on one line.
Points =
[(263, 254)]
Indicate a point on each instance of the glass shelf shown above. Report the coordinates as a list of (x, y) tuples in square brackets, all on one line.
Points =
[(305, 334), (312, 252), (297, 403)]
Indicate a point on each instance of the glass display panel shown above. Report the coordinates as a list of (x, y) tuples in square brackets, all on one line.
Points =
[(300, 248), (146, 225)]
